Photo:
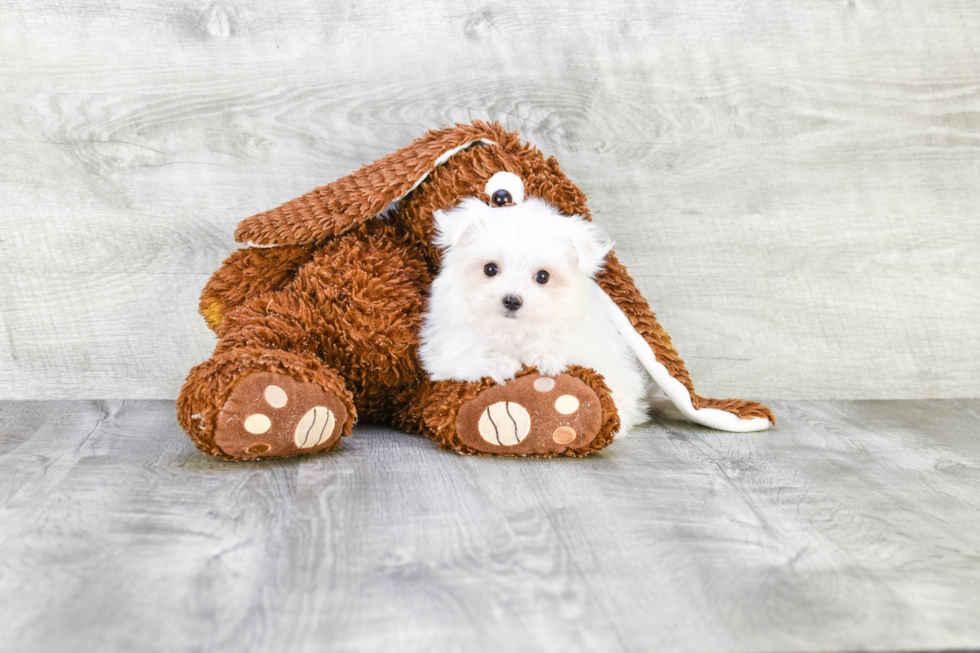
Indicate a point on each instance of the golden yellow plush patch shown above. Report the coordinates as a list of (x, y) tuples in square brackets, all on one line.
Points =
[(212, 315)]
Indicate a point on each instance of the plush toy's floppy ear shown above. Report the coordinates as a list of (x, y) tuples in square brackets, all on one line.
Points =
[(352, 200)]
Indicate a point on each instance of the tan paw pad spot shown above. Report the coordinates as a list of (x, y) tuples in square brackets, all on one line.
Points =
[(544, 384), (563, 435), (315, 427), (257, 449), (257, 424), (275, 396), (505, 423), (566, 404)]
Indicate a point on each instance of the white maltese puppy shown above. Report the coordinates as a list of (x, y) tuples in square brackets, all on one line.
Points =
[(516, 288)]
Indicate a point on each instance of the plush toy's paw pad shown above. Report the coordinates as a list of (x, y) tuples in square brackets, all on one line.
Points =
[(269, 415), (531, 415)]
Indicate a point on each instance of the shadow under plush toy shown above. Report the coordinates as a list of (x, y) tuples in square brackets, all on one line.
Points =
[(318, 320)]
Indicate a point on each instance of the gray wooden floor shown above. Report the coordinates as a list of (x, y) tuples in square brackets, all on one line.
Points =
[(851, 526)]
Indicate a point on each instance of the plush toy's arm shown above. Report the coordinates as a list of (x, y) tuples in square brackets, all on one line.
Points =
[(246, 273), (652, 346)]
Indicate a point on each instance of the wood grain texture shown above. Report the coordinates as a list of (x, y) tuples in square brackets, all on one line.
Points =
[(794, 185), (852, 526)]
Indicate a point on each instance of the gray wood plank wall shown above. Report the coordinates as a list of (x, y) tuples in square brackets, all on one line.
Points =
[(796, 185)]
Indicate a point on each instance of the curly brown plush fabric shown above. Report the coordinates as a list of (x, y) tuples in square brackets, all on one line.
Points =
[(335, 297)]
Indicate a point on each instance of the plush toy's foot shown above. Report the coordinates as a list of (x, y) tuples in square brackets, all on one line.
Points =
[(250, 404), (535, 415), (270, 415)]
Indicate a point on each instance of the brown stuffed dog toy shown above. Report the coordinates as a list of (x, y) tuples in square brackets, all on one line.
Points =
[(318, 321)]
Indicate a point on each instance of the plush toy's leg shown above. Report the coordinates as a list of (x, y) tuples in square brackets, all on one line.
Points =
[(571, 414), (250, 403)]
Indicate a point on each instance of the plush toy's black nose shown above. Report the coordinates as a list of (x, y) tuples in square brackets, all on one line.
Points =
[(512, 302)]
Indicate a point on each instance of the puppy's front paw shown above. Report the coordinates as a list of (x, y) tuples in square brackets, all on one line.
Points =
[(502, 370), (548, 364)]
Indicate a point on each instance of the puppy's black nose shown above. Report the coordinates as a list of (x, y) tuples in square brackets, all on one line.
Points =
[(512, 302)]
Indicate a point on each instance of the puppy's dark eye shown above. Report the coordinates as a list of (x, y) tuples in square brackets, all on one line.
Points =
[(502, 197), (490, 269), (542, 276)]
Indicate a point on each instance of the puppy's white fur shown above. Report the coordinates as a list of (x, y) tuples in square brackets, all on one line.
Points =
[(468, 333)]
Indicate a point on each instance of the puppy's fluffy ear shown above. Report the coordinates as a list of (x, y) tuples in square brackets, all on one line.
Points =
[(591, 244), (454, 224)]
